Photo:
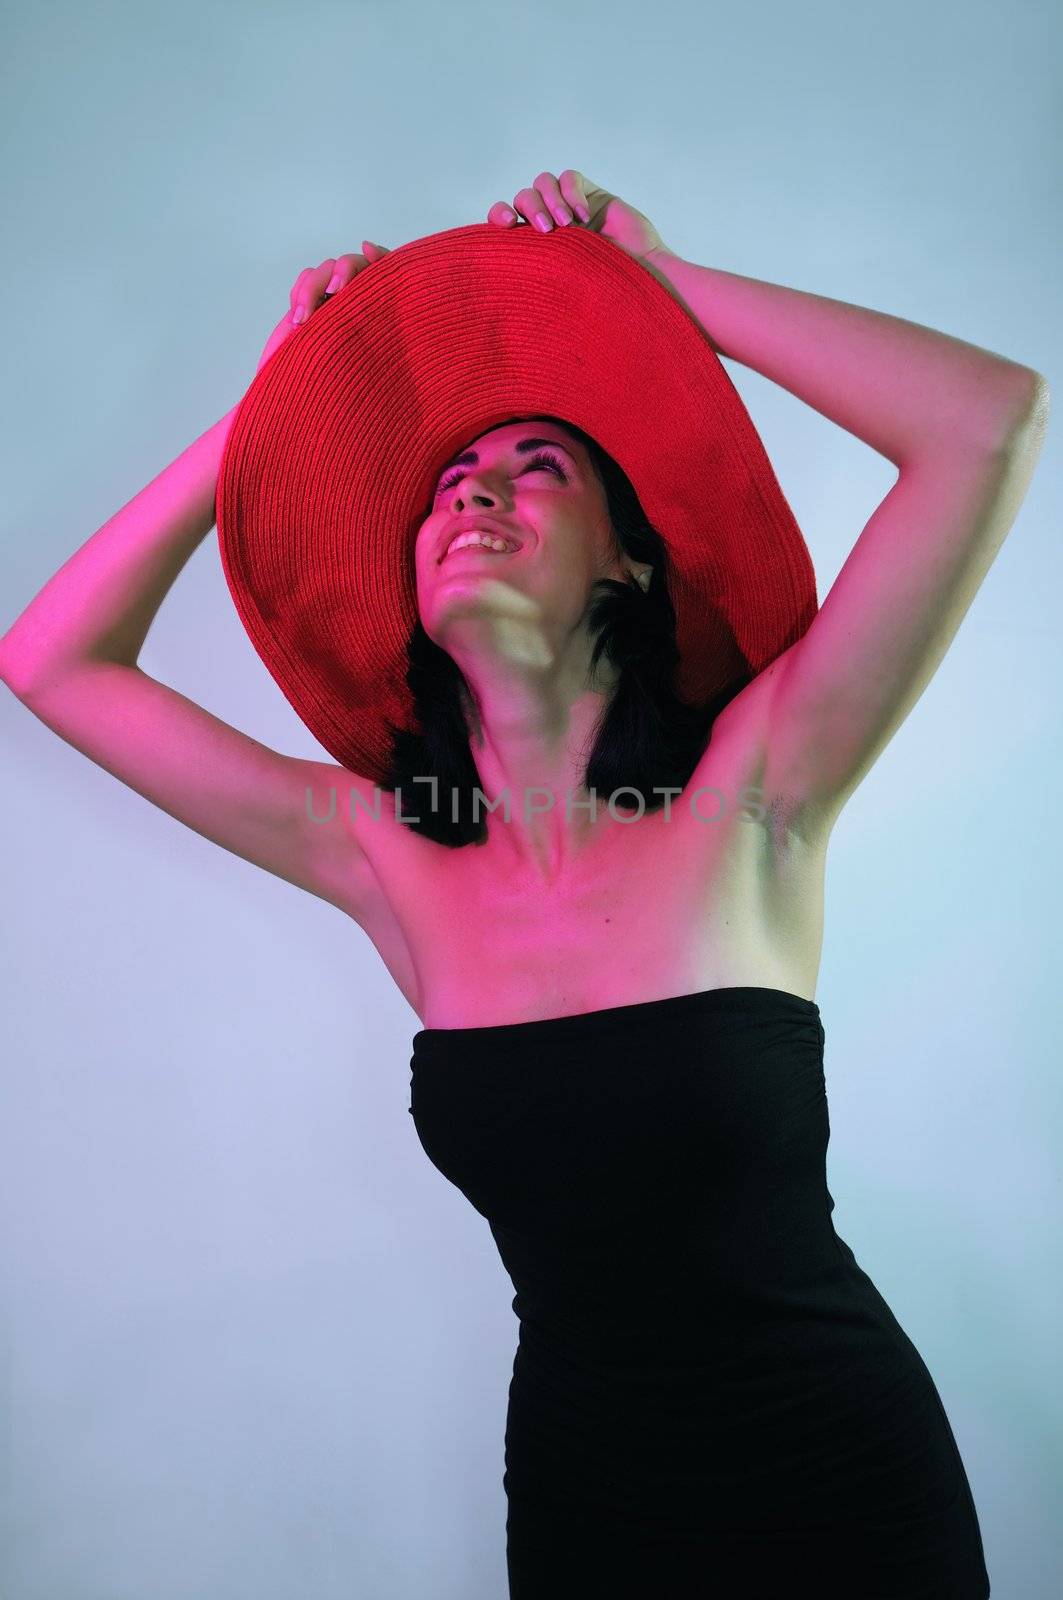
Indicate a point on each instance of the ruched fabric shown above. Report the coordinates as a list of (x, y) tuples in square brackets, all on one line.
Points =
[(709, 1396)]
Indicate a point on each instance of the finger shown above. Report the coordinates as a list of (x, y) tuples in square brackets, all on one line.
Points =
[(309, 288), (574, 188), (344, 269), (350, 263), (533, 206), (296, 288), (502, 214), (550, 190)]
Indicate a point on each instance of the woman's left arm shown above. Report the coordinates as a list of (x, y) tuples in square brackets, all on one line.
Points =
[(963, 426)]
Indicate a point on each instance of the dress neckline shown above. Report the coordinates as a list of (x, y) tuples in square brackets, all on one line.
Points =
[(729, 996)]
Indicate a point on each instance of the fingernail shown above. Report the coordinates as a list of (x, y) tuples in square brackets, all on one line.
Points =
[(299, 315), (542, 222), (334, 283), (507, 215), (584, 214)]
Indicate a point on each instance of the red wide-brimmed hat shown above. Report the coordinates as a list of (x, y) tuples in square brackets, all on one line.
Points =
[(335, 451)]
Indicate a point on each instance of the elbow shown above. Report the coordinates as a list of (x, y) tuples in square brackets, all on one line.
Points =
[(1018, 413), (1026, 428), (7, 667), (1028, 402), (13, 676), (13, 661), (1041, 398), (19, 670)]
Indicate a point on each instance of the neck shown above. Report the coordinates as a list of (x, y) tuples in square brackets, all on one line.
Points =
[(531, 740)]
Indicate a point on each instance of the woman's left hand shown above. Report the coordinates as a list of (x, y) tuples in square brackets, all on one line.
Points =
[(571, 199)]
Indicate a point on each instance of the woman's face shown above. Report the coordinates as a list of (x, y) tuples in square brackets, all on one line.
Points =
[(547, 497)]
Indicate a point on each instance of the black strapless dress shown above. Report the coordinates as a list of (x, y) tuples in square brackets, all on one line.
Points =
[(709, 1397)]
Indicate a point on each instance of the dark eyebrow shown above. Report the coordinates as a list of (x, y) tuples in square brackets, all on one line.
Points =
[(523, 447)]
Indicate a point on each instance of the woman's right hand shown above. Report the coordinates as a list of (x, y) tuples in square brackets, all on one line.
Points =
[(313, 286)]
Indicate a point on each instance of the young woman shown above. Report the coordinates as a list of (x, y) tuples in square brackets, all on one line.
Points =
[(620, 1060)]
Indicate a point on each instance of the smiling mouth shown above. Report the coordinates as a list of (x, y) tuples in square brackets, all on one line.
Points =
[(483, 537), (477, 550)]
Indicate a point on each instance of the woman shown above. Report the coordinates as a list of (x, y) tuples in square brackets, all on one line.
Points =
[(620, 1060)]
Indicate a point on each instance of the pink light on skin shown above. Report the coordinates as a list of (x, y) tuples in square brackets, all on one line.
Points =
[(516, 624)]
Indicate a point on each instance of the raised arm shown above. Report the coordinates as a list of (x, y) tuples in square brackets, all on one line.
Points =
[(71, 658), (963, 426)]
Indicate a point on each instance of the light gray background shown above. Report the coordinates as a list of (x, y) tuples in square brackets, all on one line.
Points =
[(254, 1345)]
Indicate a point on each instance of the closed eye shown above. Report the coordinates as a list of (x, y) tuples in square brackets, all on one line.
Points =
[(544, 458)]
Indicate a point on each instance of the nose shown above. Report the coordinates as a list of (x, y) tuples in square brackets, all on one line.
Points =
[(479, 498), (470, 491)]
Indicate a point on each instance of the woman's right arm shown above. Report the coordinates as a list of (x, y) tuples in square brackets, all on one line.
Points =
[(71, 658)]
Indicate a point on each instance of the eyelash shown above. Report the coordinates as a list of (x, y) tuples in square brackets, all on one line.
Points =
[(543, 458)]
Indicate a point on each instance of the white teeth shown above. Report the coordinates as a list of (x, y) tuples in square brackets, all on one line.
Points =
[(476, 538)]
